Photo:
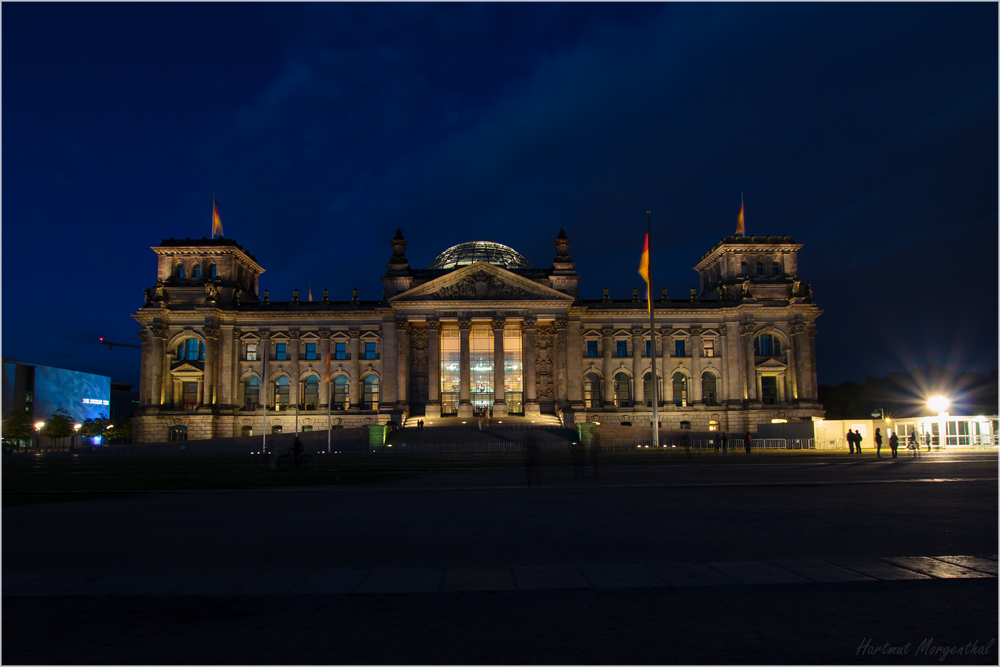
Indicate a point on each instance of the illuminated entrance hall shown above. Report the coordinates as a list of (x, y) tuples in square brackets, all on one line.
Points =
[(485, 386)]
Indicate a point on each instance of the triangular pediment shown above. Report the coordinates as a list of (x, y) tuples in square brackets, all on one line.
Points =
[(186, 370), (771, 365), (481, 282)]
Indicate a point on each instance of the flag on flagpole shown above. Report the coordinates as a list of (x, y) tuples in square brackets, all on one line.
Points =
[(310, 291), (644, 267), (739, 220), (216, 220)]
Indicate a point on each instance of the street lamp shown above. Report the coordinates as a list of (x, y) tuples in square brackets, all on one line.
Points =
[(938, 404), (879, 412), (72, 440), (38, 436)]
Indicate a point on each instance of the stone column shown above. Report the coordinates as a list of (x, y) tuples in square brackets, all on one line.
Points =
[(813, 388), (263, 351), (388, 380), (735, 364), (145, 365), (354, 352), (751, 368), (433, 408), (211, 358), (561, 363), (324, 352), (402, 362), (666, 352), (638, 390), (574, 354), (722, 385), (158, 362), (293, 386), (499, 391), (225, 387), (696, 396), (609, 381), (530, 396), (465, 369), (794, 360)]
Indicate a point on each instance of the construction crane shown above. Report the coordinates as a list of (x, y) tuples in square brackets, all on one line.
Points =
[(112, 345)]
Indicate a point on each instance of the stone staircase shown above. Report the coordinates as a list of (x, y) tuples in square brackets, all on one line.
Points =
[(538, 421), (547, 429)]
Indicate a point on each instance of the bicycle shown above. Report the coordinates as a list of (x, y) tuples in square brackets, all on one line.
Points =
[(288, 459)]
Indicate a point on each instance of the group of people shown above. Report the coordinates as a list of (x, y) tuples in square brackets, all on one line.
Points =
[(854, 439), (722, 442)]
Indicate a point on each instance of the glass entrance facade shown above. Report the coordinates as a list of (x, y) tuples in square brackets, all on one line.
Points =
[(481, 346), (482, 391), (513, 367), (451, 356)]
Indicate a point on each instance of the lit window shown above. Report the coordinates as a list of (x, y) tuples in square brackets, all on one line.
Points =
[(276, 428), (370, 351), (191, 349), (766, 345), (280, 351), (680, 389), (178, 433), (708, 347), (621, 349), (679, 348), (647, 389), (311, 351), (246, 431), (310, 395), (592, 390), (251, 351), (623, 391), (370, 399), (708, 389), (340, 399), (591, 349), (251, 392), (340, 351), (281, 392), (768, 389), (307, 428)]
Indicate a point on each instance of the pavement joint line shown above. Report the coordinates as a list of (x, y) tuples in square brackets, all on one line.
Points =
[(750, 574), (692, 485)]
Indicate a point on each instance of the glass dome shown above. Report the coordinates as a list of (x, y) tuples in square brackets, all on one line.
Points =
[(471, 252)]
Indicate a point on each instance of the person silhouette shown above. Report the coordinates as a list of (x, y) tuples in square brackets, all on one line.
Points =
[(878, 443)]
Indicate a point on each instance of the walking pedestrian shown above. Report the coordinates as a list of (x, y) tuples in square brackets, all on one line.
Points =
[(878, 443), (718, 442), (893, 443), (927, 439), (857, 440), (747, 440), (725, 443)]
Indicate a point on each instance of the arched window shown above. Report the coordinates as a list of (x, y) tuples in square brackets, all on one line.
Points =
[(592, 390), (370, 399), (281, 392), (647, 390), (212, 271), (180, 271), (766, 345), (744, 268), (680, 390), (775, 269), (251, 392), (708, 391), (310, 394), (191, 349), (340, 398), (623, 391), (196, 271), (760, 268)]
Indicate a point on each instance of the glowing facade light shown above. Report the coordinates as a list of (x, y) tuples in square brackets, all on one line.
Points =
[(938, 403), (39, 425), (76, 427)]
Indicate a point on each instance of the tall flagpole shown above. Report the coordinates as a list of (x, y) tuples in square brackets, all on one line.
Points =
[(652, 338), (328, 448)]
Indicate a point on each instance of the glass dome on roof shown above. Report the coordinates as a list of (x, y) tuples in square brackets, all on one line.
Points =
[(471, 252)]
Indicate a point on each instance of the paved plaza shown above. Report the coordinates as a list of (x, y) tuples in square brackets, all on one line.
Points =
[(775, 562)]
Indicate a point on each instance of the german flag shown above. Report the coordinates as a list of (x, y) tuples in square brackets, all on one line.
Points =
[(739, 220), (216, 220), (644, 266)]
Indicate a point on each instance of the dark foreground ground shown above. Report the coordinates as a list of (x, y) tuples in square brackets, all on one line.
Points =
[(829, 509)]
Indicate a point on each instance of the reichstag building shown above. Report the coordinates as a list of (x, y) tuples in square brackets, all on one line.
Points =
[(478, 329)]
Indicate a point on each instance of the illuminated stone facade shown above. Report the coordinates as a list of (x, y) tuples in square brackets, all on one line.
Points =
[(474, 335)]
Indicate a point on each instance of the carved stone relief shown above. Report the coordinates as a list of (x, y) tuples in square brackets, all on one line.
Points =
[(543, 362), (481, 285), (418, 364)]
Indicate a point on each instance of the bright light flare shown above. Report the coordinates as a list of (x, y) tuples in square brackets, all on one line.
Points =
[(39, 425), (938, 403)]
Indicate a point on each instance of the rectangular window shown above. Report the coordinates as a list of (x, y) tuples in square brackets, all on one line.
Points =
[(190, 390), (591, 349), (679, 348), (251, 351), (649, 348), (513, 370), (311, 351), (708, 347), (307, 428), (768, 389), (621, 349), (279, 351), (340, 351), (370, 351), (450, 369)]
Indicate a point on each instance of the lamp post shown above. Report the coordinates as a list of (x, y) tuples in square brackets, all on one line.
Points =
[(38, 435), (879, 412), (72, 440), (939, 404)]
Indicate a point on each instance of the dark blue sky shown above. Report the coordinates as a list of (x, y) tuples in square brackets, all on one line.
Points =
[(867, 132)]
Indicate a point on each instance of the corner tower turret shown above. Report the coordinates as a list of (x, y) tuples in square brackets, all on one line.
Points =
[(193, 270), (769, 263)]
